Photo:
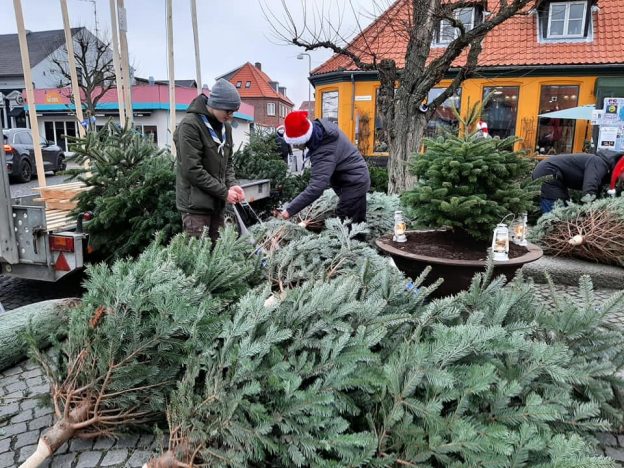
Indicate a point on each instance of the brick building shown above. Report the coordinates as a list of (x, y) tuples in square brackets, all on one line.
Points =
[(266, 96)]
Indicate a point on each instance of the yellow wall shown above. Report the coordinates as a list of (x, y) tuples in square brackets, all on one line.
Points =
[(472, 91)]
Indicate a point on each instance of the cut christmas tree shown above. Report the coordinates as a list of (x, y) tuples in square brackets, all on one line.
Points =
[(130, 339)]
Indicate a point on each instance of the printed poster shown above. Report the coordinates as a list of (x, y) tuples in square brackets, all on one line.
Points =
[(608, 137)]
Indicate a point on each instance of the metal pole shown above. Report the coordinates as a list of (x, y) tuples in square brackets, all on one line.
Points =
[(196, 39), (116, 63), (71, 60), (30, 93), (172, 100)]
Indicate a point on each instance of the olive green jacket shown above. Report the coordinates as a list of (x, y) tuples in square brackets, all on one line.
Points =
[(203, 175)]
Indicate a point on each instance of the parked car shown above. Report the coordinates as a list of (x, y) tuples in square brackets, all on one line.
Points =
[(20, 154)]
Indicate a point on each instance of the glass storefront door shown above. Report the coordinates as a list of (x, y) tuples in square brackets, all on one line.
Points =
[(556, 136), (501, 110)]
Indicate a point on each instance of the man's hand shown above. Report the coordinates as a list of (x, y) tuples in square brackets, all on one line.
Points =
[(241, 193), (232, 196), (283, 214)]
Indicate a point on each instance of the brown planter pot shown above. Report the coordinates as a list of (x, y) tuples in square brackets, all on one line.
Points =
[(457, 274)]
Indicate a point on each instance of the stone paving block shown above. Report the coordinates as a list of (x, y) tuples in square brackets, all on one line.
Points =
[(29, 403), (103, 443), (139, 457), (88, 459), (80, 445), (63, 448), (26, 438), (26, 452), (5, 444), (22, 417), (14, 429), (115, 458), (41, 423), (6, 460), (12, 371), (32, 373), (42, 411), (34, 381), (9, 409), (127, 441), (145, 441), (607, 439), (63, 461), (616, 453), (39, 390), (16, 387), (12, 379)]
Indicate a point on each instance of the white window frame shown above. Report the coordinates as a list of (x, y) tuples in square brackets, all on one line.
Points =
[(444, 24), (270, 109), (566, 20)]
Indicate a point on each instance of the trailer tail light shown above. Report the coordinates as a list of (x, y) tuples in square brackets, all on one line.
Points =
[(61, 244)]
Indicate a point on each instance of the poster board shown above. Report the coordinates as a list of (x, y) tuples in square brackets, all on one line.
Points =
[(610, 120)]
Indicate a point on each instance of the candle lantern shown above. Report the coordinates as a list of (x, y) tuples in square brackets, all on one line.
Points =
[(519, 230), (399, 227), (500, 243)]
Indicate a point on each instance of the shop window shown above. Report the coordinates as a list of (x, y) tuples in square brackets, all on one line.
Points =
[(270, 108), (444, 118), (554, 135), (501, 110), (446, 32), (381, 135), (49, 131), (329, 106)]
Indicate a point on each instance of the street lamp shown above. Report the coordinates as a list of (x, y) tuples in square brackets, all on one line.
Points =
[(300, 57)]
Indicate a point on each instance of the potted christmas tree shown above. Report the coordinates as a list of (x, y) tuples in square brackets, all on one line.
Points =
[(468, 184)]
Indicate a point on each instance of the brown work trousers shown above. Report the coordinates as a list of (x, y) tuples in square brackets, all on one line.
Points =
[(194, 224)]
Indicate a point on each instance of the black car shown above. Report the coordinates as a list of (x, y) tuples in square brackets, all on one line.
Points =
[(20, 154)]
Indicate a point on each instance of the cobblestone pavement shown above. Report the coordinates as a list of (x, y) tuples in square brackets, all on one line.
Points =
[(23, 417), (17, 292)]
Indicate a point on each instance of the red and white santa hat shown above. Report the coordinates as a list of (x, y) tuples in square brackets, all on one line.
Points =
[(482, 126), (618, 170), (297, 128)]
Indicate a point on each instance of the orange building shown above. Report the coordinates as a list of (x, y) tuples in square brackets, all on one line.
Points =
[(558, 55)]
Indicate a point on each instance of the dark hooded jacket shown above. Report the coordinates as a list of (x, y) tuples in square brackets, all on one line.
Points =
[(577, 171), (203, 175), (336, 163)]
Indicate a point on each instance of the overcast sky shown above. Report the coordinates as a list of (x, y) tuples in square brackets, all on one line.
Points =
[(231, 33)]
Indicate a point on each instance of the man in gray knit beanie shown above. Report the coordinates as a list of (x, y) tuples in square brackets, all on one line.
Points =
[(204, 172)]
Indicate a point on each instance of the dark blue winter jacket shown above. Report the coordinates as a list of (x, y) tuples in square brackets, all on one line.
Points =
[(336, 163)]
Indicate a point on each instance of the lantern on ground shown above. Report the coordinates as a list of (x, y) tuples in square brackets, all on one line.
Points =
[(519, 230), (399, 227), (500, 243)]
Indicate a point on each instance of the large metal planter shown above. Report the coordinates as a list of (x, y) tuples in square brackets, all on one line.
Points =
[(457, 274)]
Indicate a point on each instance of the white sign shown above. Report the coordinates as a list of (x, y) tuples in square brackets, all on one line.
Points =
[(363, 98), (123, 20), (607, 137)]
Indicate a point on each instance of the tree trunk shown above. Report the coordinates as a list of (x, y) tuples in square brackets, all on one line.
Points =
[(403, 142)]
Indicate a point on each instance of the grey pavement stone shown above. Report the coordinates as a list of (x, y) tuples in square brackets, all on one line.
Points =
[(22, 416), (145, 441), (88, 459), (39, 389), (32, 373), (80, 445), (12, 379), (6, 460), (26, 438), (42, 411), (616, 453), (63, 448), (103, 443), (34, 381), (5, 444), (41, 423), (139, 457), (607, 439), (115, 457), (14, 429), (127, 441), (9, 409), (63, 461), (30, 403), (26, 452)]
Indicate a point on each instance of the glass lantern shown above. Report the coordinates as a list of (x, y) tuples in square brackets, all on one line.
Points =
[(500, 243), (519, 230), (399, 227)]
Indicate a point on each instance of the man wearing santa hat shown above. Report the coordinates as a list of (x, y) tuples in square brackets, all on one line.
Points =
[(579, 171), (336, 163)]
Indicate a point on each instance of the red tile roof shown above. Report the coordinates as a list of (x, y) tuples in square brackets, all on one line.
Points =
[(260, 87), (513, 43)]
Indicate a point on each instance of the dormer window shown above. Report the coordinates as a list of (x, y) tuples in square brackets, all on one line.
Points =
[(566, 19), (446, 32)]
